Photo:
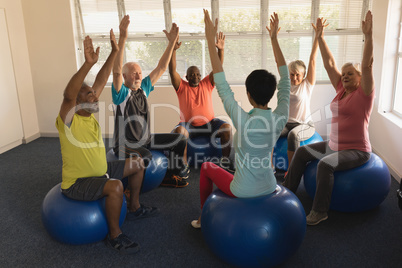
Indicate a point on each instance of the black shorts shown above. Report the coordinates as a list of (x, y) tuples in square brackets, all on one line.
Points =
[(91, 188)]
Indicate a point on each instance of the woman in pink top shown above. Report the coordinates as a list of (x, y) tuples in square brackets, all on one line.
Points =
[(349, 144)]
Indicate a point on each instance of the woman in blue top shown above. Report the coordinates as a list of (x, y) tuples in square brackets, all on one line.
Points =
[(257, 130)]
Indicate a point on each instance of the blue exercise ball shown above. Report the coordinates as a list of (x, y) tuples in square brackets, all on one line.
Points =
[(254, 232), (202, 149), (280, 155), (76, 222), (154, 173), (357, 189)]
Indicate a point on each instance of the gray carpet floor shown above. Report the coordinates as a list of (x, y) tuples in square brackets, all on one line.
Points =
[(28, 172)]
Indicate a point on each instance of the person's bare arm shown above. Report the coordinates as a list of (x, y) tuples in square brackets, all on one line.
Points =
[(311, 73), (220, 45), (273, 33), (367, 80), (174, 75), (210, 32), (74, 85), (104, 72), (327, 57), (163, 63), (118, 62)]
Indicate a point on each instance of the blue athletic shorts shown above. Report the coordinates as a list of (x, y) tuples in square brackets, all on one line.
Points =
[(207, 129)]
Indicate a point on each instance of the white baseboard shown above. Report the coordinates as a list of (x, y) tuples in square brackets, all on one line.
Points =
[(31, 138)]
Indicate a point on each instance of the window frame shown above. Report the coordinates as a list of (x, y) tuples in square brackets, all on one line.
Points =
[(398, 65)]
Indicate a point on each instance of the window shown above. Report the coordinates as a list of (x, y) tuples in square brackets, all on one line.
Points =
[(397, 98), (247, 45)]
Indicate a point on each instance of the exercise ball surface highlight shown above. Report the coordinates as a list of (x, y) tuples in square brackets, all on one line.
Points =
[(202, 149), (254, 232), (76, 222), (358, 189), (280, 155)]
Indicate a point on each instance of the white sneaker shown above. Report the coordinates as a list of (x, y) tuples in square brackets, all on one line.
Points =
[(315, 217), (195, 224)]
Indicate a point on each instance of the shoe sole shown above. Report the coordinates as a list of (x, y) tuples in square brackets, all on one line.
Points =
[(317, 222), (174, 186)]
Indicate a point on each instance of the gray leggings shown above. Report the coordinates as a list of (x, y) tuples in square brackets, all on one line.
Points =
[(329, 161), (297, 132)]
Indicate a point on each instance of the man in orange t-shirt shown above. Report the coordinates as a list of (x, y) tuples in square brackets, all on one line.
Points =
[(196, 110)]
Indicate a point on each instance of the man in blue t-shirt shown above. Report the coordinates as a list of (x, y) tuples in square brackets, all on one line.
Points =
[(132, 121)]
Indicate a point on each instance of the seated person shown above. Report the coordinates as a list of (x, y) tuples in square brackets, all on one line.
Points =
[(349, 144), (196, 110), (86, 174), (253, 144), (132, 135), (299, 126)]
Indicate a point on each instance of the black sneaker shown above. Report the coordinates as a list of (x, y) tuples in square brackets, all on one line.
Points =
[(227, 164), (184, 172), (174, 181), (122, 244), (142, 212)]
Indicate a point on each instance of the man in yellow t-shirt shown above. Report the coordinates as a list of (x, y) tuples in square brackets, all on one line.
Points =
[(86, 174)]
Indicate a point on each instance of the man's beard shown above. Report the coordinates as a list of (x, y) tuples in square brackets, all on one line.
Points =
[(90, 107)]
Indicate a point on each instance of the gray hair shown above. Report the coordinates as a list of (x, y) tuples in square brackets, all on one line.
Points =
[(297, 66), (355, 65)]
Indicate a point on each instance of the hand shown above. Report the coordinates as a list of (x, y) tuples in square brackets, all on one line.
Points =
[(273, 26), (124, 26), (91, 56), (367, 24), (319, 27), (177, 45), (220, 40), (113, 42), (210, 29), (173, 35)]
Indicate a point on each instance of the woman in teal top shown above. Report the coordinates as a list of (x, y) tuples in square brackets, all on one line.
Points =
[(257, 130)]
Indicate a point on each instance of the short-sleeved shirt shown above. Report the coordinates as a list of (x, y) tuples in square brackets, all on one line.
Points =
[(350, 120), (82, 149), (196, 102), (132, 120), (256, 134), (299, 106)]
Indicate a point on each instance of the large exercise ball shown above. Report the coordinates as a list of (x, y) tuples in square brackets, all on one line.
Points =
[(76, 222), (357, 189), (254, 232), (280, 155), (202, 149), (154, 173)]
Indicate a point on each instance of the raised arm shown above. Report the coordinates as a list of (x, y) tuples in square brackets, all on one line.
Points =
[(118, 63), (174, 75), (163, 63), (210, 32), (327, 57), (367, 80), (74, 85), (220, 45), (104, 72), (312, 62), (273, 33)]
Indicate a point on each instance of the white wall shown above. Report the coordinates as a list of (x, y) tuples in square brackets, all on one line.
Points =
[(385, 131), (49, 31), (50, 36), (22, 68)]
